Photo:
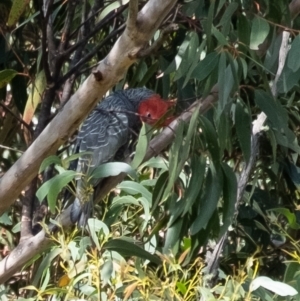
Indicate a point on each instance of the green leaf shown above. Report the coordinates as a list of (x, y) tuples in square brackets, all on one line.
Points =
[(119, 201), (112, 169), (186, 54), (271, 59), (159, 189), (149, 74), (194, 64), (211, 140), (244, 67), (66, 161), (243, 129), (5, 219), (277, 287), (205, 67), (6, 76), (139, 73), (225, 83), (126, 248), (172, 239), (230, 10), (259, 32), (157, 162), (294, 173), (288, 79), (52, 188), (16, 228), (209, 202), (60, 181), (113, 5), (16, 11), (96, 226), (135, 188), (186, 143), (174, 157), (198, 164), (243, 33), (274, 111), (224, 126), (48, 161), (34, 98), (44, 265), (208, 23), (293, 61), (291, 271), (106, 271), (290, 216), (219, 36), (141, 147)]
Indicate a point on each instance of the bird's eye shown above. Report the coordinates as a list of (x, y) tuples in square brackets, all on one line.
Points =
[(149, 115)]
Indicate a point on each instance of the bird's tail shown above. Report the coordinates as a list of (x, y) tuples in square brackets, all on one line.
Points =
[(80, 212)]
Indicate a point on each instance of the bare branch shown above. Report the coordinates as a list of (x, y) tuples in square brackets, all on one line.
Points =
[(65, 36), (10, 148)]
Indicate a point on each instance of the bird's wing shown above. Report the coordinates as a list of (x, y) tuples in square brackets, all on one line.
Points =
[(103, 133)]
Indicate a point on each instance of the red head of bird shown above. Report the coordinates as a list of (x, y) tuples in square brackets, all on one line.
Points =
[(154, 110)]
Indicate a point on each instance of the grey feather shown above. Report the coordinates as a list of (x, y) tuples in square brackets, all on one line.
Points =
[(105, 132)]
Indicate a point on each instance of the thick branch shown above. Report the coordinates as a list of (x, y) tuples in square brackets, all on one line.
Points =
[(26, 250)]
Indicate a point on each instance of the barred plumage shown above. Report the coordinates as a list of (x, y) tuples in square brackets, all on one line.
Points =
[(106, 133)]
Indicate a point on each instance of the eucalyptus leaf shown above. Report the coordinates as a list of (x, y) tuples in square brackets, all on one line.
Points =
[(209, 201), (112, 169), (243, 129), (127, 248), (6, 76), (259, 32)]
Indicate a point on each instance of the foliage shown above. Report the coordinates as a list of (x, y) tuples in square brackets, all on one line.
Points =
[(154, 234)]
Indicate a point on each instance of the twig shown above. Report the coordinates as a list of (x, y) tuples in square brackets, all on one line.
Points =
[(10, 148), (65, 36)]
